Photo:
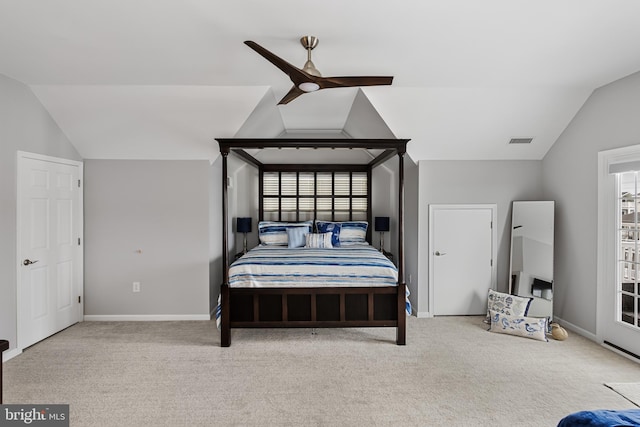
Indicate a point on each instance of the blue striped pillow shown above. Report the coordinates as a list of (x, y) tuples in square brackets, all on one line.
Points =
[(318, 240), (351, 232), (275, 233)]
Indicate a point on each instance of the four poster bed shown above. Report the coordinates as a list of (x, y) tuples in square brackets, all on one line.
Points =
[(315, 266)]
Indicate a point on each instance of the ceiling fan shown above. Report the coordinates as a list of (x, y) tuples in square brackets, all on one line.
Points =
[(309, 79)]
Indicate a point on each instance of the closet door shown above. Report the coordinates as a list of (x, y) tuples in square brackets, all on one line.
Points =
[(49, 246), (461, 254)]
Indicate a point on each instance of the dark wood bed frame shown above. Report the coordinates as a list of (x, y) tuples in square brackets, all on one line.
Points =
[(304, 307)]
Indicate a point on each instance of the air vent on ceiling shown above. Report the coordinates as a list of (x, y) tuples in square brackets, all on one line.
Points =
[(520, 140)]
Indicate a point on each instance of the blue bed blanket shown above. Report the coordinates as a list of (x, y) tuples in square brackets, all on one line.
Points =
[(602, 418), (282, 267), (277, 266)]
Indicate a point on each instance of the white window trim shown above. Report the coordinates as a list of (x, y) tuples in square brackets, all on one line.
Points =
[(607, 220)]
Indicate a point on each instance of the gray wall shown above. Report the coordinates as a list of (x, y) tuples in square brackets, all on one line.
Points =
[(24, 126), (160, 208), (384, 202), (609, 119), (471, 182), (364, 121), (243, 202)]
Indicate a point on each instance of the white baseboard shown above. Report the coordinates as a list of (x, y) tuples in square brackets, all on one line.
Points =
[(573, 328), (10, 354), (144, 317), (423, 314)]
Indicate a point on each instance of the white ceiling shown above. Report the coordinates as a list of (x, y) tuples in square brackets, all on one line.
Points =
[(163, 78)]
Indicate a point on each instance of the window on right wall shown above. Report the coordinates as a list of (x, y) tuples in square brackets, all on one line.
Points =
[(628, 244), (618, 247)]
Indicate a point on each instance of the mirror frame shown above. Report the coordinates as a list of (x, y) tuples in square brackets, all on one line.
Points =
[(539, 223)]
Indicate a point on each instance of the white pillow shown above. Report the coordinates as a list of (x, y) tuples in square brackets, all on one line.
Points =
[(507, 304), (275, 233), (528, 327)]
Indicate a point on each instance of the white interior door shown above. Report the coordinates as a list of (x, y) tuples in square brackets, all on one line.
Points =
[(461, 258), (49, 252)]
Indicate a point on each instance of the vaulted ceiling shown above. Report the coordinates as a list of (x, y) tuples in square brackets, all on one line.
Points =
[(160, 79)]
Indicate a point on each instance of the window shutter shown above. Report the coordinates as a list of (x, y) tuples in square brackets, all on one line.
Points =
[(271, 182), (340, 196)]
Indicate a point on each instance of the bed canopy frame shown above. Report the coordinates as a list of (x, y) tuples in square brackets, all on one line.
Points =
[(354, 307)]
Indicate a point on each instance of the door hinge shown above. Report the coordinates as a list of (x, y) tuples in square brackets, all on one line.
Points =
[(79, 299), (78, 183), (491, 263), (78, 241)]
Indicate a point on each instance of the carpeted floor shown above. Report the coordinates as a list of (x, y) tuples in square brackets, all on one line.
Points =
[(452, 372)]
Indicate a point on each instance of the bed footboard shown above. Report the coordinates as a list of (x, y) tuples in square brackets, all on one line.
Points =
[(313, 308), (225, 324)]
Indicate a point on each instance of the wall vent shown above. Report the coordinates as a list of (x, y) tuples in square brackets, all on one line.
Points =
[(520, 140)]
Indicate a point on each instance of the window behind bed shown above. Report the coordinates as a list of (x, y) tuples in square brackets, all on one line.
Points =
[(301, 195)]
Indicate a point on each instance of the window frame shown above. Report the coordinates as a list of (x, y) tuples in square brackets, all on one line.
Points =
[(609, 243), (631, 263), (316, 169)]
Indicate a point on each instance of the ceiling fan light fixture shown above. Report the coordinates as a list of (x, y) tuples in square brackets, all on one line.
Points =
[(308, 86), (308, 78)]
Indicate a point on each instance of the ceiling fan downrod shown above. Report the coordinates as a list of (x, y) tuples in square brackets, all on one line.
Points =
[(309, 43)]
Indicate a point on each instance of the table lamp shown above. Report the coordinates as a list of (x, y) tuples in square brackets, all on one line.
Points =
[(381, 224), (243, 225)]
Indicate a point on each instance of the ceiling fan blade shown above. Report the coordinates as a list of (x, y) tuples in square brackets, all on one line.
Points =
[(352, 81), (296, 75), (291, 95)]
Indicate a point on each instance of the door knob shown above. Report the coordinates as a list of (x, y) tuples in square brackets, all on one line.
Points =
[(29, 262), (438, 253)]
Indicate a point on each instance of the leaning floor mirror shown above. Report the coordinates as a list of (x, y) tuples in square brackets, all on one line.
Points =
[(531, 271)]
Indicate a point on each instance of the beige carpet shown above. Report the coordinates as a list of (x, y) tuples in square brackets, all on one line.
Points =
[(630, 391), (452, 372)]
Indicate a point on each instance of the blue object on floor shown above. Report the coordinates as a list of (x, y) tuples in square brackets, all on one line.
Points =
[(602, 418)]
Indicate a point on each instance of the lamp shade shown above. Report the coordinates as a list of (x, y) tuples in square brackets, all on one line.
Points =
[(381, 223), (243, 225)]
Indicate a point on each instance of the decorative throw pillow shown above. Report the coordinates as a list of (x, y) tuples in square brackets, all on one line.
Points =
[(318, 240), (351, 232), (275, 233), (508, 304), (333, 228), (528, 327), (296, 236)]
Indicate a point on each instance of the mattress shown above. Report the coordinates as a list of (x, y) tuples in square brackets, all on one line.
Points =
[(282, 267)]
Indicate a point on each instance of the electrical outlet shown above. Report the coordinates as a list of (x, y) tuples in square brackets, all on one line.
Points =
[(136, 286), (409, 278)]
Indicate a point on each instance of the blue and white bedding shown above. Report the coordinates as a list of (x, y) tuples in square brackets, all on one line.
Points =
[(282, 267), (359, 265)]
